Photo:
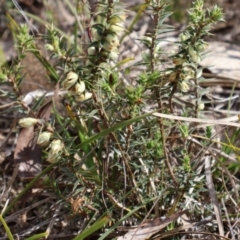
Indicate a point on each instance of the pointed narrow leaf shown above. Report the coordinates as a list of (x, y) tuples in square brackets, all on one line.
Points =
[(113, 128), (97, 225)]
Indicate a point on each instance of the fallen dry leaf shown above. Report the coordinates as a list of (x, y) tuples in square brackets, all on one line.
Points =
[(147, 229), (28, 154)]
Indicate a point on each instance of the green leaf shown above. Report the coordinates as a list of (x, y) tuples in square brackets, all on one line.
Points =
[(114, 128), (124, 61), (38, 236), (9, 234), (97, 225), (141, 10), (29, 186)]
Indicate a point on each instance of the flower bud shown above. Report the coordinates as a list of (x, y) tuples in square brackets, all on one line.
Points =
[(201, 106), (83, 97), (199, 72), (188, 70), (28, 122), (112, 39), (56, 148), (116, 28), (194, 55), (184, 86), (201, 47), (80, 88), (188, 77), (117, 19), (91, 50), (107, 46), (70, 80), (103, 65), (184, 37), (114, 54), (49, 47), (43, 138)]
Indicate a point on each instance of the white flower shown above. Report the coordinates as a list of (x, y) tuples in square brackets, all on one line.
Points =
[(202, 47), (83, 97), (107, 46), (56, 148), (28, 122), (184, 37), (184, 86), (80, 87), (70, 80), (103, 65), (118, 18), (114, 54), (43, 138), (113, 40), (199, 72), (91, 50), (116, 28), (194, 55), (188, 77), (49, 47), (201, 106)]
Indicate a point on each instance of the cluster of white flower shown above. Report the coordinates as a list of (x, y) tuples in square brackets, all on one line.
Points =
[(187, 73), (185, 76), (55, 147), (55, 150), (111, 45), (76, 87), (109, 42)]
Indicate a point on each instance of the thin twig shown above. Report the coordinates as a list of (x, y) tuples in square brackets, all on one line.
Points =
[(213, 195), (228, 220)]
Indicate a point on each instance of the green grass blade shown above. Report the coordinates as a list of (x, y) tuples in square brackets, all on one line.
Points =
[(28, 187), (9, 234), (97, 225), (134, 21), (38, 236), (114, 128)]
